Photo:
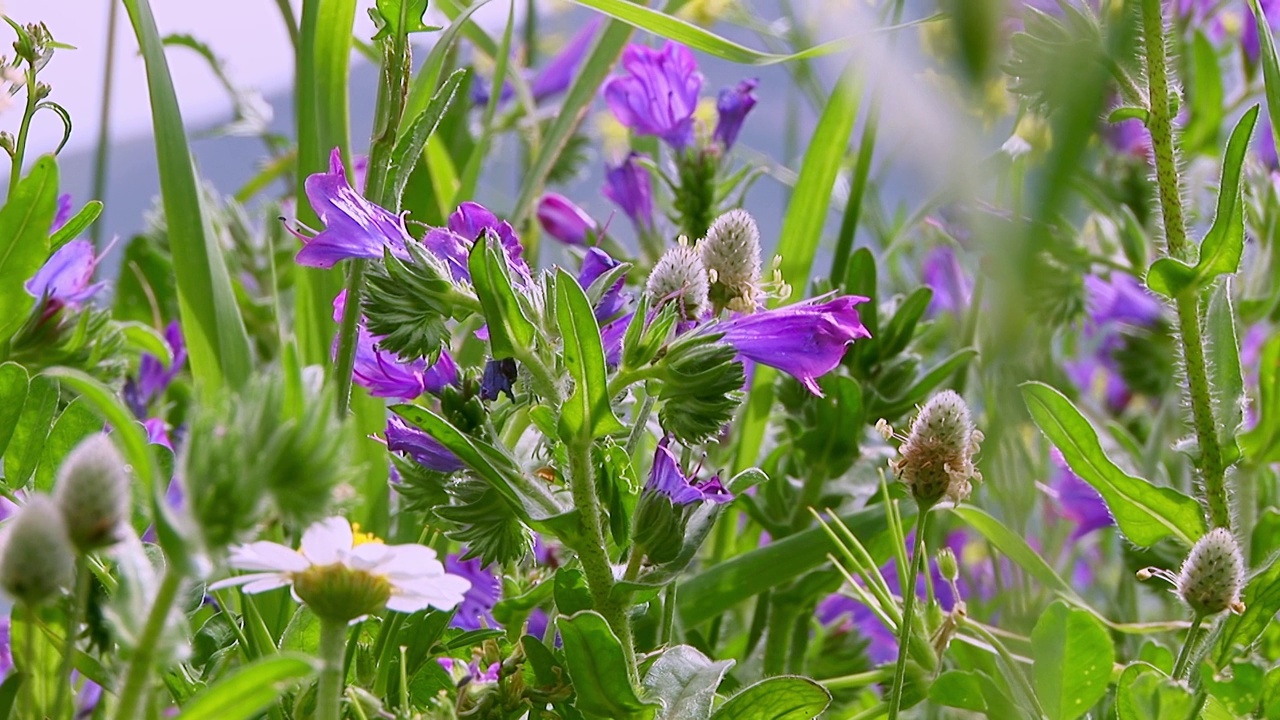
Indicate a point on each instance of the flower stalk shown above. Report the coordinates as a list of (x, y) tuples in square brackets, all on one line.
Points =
[(908, 613), (1160, 124), (137, 680), (333, 649), (1188, 645), (79, 604)]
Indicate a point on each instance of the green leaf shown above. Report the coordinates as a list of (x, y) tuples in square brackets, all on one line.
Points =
[(409, 147), (13, 395), (148, 340), (1261, 445), (38, 660), (75, 225), (587, 413), (24, 241), (1073, 659), (217, 343), (29, 435), (598, 669), (424, 84), (531, 498), (898, 333), (1205, 95), (697, 38), (401, 17), (1015, 547), (570, 591), (247, 691), (720, 587), (1220, 252), (958, 689), (510, 332), (777, 698), (1224, 361), (1261, 599), (1270, 67), (1145, 693), (1145, 513), (801, 234), (9, 694), (1238, 686), (77, 422), (686, 681), (1121, 114)]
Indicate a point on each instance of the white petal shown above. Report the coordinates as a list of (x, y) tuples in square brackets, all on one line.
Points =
[(245, 580), (328, 541), (269, 582), (369, 557), (443, 591), (411, 561), (264, 555), (407, 603)]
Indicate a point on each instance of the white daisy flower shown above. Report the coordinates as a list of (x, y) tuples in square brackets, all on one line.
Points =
[(343, 574)]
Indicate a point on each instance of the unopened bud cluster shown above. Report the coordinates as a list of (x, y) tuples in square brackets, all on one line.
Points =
[(1212, 576), (731, 254), (936, 458), (90, 504), (680, 277)]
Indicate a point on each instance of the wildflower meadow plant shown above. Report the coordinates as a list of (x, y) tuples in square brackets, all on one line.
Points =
[(629, 371)]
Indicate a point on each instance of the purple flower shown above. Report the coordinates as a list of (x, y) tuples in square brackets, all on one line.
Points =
[(666, 478), (594, 264), (153, 377), (1249, 41), (6, 651), (556, 76), (1266, 144), (952, 287), (158, 432), (565, 221), (658, 94), (470, 672), (499, 377), (630, 187), (1120, 300), (65, 279), (424, 449), (385, 374), (732, 106), (1129, 137), (845, 614), (63, 213), (476, 610), (353, 226), (806, 340), (1075, 500), (469, 221)]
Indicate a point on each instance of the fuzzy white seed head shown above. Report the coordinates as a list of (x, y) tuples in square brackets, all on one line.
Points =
[(680, 277), (36, 561), (93, 493), (1212, 576), (936, 460), (731, 254)]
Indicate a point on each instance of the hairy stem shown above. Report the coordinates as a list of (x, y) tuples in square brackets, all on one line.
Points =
[(1188, 645), (78, 604), (333, 647), (1160, 123), (137, 680), (20, 145), (908, 615)]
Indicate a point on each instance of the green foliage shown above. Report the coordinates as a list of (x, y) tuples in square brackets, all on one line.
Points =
[(598, 668), (586, 414), (407, 302), (700, 387), (510, 330), (24, 240), (776, 698), (399, 17), (247, 691), (1073, 658)]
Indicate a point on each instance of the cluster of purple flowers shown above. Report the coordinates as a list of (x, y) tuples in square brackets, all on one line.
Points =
[(1114, 305)]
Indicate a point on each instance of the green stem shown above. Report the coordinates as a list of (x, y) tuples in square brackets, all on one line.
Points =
[(79, 602), (137, 680), (104, 121), (1188, 645), (290, 22), (333, 647), (858, 680), (592, 552), (1160, 123), (346, 360), (908, 614), (20, 146), (777, 640)]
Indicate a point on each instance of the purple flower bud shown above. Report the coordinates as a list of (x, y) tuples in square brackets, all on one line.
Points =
[(470, 220), (952, 287), (1121, 299), (565, 221), (424, 449), (354, 227), (559, 73), (595, 263), (65, 279), (666, 478), (476, 610), (158, 432), (806, 340), (732, 106), (658, 94), (629, 186), (153, 377), (499, 377), (63, 214)]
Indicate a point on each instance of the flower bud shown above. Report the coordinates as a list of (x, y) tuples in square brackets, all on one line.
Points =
[(680, 277), (937, 458), (37, 560), (565, 221), (658, 527), (341, 593), (731, 255), (1213, 574), (947, 564), (93, 493)]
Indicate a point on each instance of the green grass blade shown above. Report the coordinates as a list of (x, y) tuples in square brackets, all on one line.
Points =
[(216, 338), (24, 240)]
